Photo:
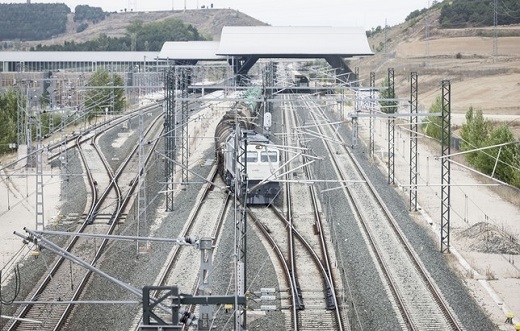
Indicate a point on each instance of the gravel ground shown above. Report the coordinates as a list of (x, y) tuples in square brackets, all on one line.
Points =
[(365, 298), (33, 269), (453, 288), (139, 270), (364, 295)]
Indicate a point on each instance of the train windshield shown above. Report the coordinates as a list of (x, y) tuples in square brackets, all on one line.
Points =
[(270, 156), (252, 157)]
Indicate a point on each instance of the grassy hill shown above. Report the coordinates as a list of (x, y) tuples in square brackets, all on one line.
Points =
[(209, 22), (484, 71), (480, 77)]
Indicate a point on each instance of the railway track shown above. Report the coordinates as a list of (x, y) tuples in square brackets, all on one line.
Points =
[(299, 242), (210, 209), (65, 282), (418, 303), (296, 234), (203, 223)]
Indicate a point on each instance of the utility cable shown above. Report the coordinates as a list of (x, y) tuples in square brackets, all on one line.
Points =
[(16, 287)]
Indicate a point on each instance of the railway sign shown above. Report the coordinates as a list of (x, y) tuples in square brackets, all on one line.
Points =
[(267, 290), (268, 307)]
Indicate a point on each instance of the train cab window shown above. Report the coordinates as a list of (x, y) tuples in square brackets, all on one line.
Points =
[(252, 157), (270, 156)]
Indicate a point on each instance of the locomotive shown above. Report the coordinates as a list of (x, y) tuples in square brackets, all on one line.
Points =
[(260, 158)]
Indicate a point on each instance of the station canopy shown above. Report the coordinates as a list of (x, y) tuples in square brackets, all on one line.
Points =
[(243, 46), (247, 44), (294, 42), (240, 46), (189, 52)]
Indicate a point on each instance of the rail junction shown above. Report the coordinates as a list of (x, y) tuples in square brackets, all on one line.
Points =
[(164, 244)]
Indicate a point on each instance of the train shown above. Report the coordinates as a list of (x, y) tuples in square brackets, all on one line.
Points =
[(262, 160)]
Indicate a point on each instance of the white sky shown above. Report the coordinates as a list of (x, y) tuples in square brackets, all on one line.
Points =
[(366, 13)]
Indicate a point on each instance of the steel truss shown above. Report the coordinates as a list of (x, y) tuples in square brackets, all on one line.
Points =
[(170, 149), (391, 129), (240, 212), (40, 215), (414, 88), (183, 74), (445, 165), (372, 108)]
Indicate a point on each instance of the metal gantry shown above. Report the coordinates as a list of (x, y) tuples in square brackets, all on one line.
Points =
[(142, 217), (414, 88), (22, 103), (205, 282), (40, 212), (178, 81), (240, 216), (183, 77), (169, 139), (372, 108), (391, 130), (445, 165), (268, 82)]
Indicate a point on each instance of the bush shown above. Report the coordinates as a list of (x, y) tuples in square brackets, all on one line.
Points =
[(500, 162), (432, 127), (82, 27)]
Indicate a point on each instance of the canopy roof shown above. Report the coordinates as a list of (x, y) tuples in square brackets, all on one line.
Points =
[(191, 50), (293, 42)]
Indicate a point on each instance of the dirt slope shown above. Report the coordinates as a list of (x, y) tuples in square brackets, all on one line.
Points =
[(479, 77), (209, 22)]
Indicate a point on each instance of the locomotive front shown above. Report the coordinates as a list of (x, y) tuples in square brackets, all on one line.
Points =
[(262, 159)]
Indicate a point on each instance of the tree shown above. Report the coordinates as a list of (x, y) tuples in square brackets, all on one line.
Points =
[(107, 96), (139, 37), (87, 13), (432, 127), (8, 120), (473, 133), (387, 106), (32, 21), (501, 162), (464, 13)]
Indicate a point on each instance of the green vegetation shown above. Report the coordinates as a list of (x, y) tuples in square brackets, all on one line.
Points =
[(387, 106), (374, 31), (40, 21), (432, 126), (466, 13), (82, 27), (8, 120), (501, 162), (87, 13), (32, 21), (139, 37), (417, 13), (103, 95), (106, 97)]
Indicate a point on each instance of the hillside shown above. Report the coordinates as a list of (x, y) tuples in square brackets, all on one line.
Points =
[(479, 78), (209, 23), (464, 56)]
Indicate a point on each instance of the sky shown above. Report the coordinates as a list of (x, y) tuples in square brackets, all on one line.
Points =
[(366, 13)]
